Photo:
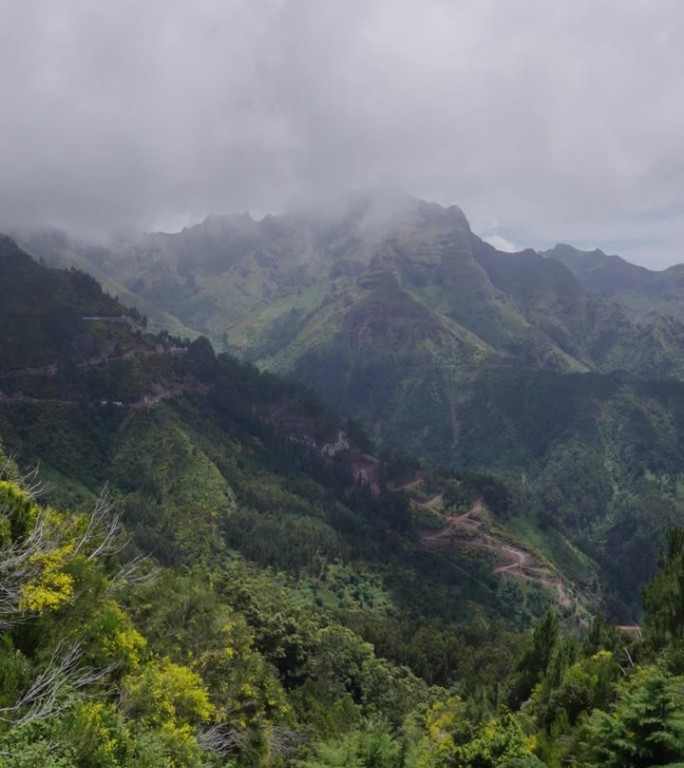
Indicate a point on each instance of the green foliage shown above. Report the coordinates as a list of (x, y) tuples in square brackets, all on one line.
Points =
[(646, 727), (537, 657), (200, 359), (18, 512), (238, 461), (301, 619), (166, 694), (372, 748), (664, 595), (158, 463), (452, 739), (581, 687)]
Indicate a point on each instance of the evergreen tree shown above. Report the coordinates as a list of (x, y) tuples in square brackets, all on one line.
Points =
[(646, 728)]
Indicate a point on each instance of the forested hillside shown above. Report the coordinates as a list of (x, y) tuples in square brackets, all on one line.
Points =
[(259, 586), (446, 349), (107, 660), (648, 295), (206, 456), (387, 306)]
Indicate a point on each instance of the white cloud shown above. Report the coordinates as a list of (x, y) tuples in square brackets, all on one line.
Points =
[(561, 120), (501, 243)]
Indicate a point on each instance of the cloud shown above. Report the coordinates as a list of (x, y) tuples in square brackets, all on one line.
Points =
[(501, 243), (561, 120)]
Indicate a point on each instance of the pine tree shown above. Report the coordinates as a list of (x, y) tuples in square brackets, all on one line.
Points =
[(646, 728)]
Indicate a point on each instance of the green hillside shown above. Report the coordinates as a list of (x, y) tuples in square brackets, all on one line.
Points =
[(261, 588), (448, 350), (108, 661), (207, 456), (646, 294), (387, 306)]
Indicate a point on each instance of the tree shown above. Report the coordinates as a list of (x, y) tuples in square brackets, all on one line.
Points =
[(663, 596), (646, 727), (537, 658), (453, 740)]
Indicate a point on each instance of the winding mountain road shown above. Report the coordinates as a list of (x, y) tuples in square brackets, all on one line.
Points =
[(467, 529)]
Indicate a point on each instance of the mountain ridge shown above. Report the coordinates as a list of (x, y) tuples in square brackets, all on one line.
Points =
[(262, 464), (647, 294), (444, 348), (386, 306)]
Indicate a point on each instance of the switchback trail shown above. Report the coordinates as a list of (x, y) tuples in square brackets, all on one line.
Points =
[(468, 530), (408, 485)]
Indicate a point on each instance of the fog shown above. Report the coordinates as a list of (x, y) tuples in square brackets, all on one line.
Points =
[(544, 121)]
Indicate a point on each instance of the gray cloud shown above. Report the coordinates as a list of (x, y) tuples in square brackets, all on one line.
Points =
[(544, 121)]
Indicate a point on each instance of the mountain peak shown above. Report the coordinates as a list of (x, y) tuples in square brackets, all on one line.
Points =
[(374, 213)]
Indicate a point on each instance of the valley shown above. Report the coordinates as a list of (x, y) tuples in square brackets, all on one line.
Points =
[(506, 467), (341, 384)]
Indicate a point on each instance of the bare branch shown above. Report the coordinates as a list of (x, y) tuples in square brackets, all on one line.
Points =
[(8, 468), (31, 484), (103, 534), (284, 741), (42, 698), (139, 571), (224, 740), (19, 564), (221, 740)]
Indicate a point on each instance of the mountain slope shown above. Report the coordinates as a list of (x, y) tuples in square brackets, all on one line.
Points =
[(646, 294), (387, 306), (206, 455), (580, 453), (305, 613)]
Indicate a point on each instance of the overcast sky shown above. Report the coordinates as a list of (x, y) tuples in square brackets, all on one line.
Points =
[(545, 121)]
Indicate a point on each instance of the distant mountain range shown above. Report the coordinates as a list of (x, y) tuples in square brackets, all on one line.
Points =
[(391, 307), (205, 456), (648, 295), (561, 372)]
